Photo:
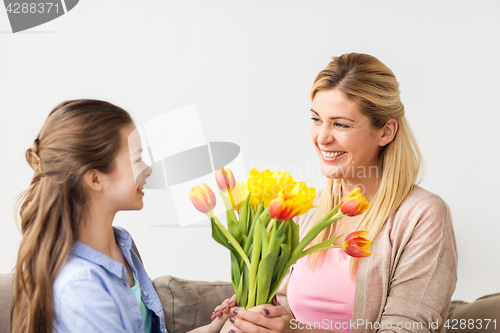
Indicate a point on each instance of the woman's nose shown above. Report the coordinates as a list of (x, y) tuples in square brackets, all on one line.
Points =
[(325, 136)]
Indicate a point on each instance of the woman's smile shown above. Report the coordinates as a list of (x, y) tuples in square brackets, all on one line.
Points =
[(332, 155)]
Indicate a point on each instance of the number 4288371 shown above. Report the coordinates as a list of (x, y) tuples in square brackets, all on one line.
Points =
[(472, 324), (24, 7)]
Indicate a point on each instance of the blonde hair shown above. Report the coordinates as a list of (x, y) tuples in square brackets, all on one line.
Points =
[(366, 80), (77, 136)]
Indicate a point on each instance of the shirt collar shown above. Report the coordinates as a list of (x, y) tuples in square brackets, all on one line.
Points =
[(90, 254)]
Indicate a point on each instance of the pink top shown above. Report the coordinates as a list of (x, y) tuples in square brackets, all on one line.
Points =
[(324, 295)]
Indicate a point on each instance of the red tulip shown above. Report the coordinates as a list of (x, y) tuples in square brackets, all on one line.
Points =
[(225, 179), (280, 208), (356, 246), (202, 198), (354, 204)]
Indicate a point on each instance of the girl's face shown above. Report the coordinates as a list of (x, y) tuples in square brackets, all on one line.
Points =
[(130, 174), (346, 144)]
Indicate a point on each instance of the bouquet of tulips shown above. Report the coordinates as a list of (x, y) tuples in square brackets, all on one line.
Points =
[(263, 239)]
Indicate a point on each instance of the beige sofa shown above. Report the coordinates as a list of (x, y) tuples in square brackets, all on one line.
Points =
[(190, 303)]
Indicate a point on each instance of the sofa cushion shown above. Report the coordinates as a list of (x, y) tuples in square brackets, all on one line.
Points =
[(190, 302), (483, 313), (5, 299)]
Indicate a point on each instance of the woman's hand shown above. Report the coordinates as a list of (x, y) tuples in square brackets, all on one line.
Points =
[(262, 318)]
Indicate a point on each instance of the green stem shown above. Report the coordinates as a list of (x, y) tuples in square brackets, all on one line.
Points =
[(322, 246), (270, 225), (256, 253), (263, 215), (315, 230), (231, 239)]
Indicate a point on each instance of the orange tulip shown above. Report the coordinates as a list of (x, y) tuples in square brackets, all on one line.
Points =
[(203, 198), (354, 204), (286, 206), (356, 246), (225, 179)]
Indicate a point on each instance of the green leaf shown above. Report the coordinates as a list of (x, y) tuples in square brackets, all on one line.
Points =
[(259, 211), (235, 271), (295, 238), (282, 259), (264, 215), (278, 270), (265, 238), (219, 237), (234, 229), (244, 215), (250, 217), (229, 238), (249, 241), (264, 275), (231, 216), (242, 293)]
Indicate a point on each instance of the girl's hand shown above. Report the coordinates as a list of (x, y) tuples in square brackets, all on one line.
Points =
[(216, 325), (224, 308), (262, 319)]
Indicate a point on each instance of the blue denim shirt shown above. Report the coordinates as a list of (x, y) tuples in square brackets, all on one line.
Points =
[(91, 292)]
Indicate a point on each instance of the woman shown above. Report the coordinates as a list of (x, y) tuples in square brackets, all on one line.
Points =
[(75, 272), (362, 138)]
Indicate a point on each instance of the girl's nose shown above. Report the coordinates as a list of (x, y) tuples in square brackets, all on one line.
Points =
[(147, 172)]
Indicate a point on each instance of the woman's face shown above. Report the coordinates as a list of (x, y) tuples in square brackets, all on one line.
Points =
[(346, 144)]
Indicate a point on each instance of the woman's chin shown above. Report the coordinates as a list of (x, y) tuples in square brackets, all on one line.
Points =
[(331, 172)]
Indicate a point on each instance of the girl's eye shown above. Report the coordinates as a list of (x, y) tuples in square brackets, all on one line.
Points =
[(140, 158), (315, 120)]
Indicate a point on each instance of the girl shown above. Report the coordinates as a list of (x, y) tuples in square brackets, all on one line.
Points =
[(362, 138), (75, 272)]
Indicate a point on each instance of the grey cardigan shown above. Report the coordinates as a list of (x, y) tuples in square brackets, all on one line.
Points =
[(407, 283)]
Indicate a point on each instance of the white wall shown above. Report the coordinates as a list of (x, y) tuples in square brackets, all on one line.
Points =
[(248, 66)]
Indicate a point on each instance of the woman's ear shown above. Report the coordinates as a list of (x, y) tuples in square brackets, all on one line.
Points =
[(388, 132)]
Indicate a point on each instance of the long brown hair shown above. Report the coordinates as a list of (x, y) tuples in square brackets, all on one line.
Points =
[(77, 136), (367, 81)]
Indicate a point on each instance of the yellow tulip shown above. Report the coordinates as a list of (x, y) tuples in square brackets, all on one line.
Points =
[(266, 185), (240, 193)]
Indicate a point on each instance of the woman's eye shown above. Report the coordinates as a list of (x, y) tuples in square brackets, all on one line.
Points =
[(340, 126), (140, 159), (315, 120)]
